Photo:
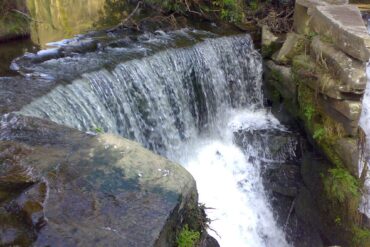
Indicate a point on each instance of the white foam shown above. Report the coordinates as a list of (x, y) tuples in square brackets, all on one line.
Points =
[(233, 187), (364, 123)]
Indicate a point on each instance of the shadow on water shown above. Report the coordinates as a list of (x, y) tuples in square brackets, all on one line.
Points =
[(12, 49)]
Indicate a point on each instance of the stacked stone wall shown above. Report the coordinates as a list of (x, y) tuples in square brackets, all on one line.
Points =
[(319, 72)]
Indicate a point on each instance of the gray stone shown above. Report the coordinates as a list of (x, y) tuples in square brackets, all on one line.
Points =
[(291, 47), (267, 36), (347, 149), (313, 3), (309, 73), (90, 190), (281, 77), (282, 179), (305, 207), (348, 108), (335, 112), (270, 42), (351, 72), (310, 3), (306, 72), (344, 25), (339, 2), (301, 19)]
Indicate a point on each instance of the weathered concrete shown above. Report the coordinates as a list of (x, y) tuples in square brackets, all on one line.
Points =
[(344, 25)]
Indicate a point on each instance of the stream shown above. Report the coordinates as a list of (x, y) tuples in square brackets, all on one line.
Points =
[(185, 104), (193, 96)]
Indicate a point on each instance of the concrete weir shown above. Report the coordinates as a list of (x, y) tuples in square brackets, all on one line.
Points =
[(319, 74)]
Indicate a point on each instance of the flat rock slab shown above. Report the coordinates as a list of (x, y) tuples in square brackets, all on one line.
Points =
[(69, 188), (350, 72), (312, 3), (344, 25)]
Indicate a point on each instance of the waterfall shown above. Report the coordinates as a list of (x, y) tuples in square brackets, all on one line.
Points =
[(187, 104), (364, 123)]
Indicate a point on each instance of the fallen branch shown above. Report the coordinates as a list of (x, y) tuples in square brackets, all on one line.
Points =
[(122, 23), (26, 15)]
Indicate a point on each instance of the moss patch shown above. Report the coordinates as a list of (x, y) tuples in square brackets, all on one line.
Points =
[(187, 237)]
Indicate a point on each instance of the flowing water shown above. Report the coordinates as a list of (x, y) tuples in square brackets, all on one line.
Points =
[(365, 126), (187, 104)]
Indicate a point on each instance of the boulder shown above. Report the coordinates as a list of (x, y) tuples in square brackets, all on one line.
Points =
[(344, 25), (283, 179), (87, 190), (350, 72), (277, 145)]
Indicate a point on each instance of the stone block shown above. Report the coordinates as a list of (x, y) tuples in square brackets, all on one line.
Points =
[(301, 19), (344, 24), (281, 77), (313, 3), (347, 149), (291, 47), (307, 72), (349, 109), (335, 113), (350, 72), (270, 42)]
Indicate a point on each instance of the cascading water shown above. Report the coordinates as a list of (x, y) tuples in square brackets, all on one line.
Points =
[(364, 123), (187, 104), (364, 161)]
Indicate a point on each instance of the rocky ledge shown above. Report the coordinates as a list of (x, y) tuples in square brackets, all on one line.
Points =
[(62, 187)]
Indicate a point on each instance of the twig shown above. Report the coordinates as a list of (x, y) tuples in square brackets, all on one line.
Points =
[(132, 13), (25, 15), (290, 212)]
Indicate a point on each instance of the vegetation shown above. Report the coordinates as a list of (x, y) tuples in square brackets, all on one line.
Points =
[(361, 237), (240, 12), (98, 130), (309, 112), (12, 22), (340, 199), (187, 237), (319, 134), (341, 185)]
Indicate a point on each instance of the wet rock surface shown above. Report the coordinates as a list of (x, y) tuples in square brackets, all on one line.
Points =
[(62, 187), (284, 185)]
